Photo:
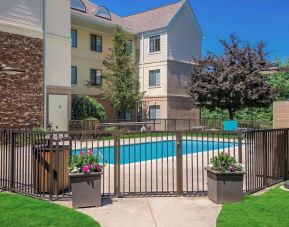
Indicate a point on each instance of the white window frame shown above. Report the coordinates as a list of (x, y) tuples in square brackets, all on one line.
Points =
[(98, 77), (153, 38), (157, 114), (155, 76)]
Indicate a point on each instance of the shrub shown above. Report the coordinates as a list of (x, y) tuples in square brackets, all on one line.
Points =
[(85, 107)]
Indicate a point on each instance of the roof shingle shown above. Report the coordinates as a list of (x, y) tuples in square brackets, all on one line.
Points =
[(140, 22), (153, 19)]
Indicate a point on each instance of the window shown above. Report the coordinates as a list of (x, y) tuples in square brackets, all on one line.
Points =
[(125, 115), (155, 43), (129, 46), (73, 75), (103, 13), (154, 77), (154, 112), (78, 5), (96, 43), (95, 77), (73, 38)]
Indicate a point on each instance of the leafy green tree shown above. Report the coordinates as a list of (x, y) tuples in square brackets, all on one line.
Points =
[(85, 107), (122, 82), (280, 82), (233, 81)]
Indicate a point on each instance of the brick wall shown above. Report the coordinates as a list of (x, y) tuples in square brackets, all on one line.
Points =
[(21, 96)]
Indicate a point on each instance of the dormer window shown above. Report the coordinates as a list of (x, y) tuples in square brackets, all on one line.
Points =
[(78, 5), (102, 12)]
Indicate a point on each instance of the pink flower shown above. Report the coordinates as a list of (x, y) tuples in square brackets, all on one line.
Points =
[(87, 168), (81, 153), (98, 168), (90, 152)]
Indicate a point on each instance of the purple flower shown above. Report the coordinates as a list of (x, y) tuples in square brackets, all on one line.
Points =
[(233, 168), (98, 168)]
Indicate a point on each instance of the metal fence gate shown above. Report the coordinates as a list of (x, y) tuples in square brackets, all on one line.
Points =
[(170, 163)]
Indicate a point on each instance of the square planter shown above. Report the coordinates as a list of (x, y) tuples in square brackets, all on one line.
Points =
[(86, 190), (225, 187)]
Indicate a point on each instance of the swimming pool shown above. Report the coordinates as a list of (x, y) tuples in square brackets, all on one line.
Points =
[(139, 152)]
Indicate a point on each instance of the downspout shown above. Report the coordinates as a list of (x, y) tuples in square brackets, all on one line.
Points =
[(143, 75), (44, 64)]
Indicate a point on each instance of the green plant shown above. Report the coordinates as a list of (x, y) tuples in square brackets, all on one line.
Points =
[(111, 129), (225, 163), (121, 78), (258, 116), (85, 162), (85, 107)]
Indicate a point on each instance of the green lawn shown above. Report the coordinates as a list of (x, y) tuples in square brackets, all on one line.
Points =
[(18, 210), (269, 209)]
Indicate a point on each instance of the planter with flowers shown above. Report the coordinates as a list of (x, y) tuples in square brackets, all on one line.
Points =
[(225, 179), (85, 178)]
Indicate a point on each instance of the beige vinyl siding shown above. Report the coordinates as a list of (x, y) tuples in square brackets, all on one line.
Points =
[(23, 13), (160, 90), (184, 38), (156, 56), (178, 77), (58, 17), (85, 59), (58, 53)]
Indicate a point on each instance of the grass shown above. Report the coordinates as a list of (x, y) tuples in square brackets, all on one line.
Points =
[(18, 210), (269, 209)]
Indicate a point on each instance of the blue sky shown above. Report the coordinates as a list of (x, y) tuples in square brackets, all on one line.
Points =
[(251, 20)]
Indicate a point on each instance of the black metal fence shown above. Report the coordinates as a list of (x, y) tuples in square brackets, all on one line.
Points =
[(139, 164)]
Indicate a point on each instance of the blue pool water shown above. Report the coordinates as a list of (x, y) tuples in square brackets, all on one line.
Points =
[(155, 150)]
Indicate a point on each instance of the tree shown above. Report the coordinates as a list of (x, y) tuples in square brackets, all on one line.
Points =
[(122, 81), (85, 107), (232, 81), (280, 80)]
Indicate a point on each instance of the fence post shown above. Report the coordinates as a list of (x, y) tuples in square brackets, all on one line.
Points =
[(265, 175), (116, 164), (286, 154), (179, 164), (240, 144), (12, 161), (51, 183)]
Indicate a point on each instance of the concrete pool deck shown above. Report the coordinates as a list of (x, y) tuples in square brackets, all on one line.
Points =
[(154, 212)]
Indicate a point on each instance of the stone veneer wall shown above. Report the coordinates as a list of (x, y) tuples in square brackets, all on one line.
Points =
[(21, 96)]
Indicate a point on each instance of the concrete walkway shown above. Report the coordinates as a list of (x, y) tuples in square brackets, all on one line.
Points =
[(155, 212)]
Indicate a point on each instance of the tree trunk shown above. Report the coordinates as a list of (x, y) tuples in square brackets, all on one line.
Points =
[(231, 114)]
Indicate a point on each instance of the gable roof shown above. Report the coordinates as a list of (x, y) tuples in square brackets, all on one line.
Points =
[(155, 18), (90, 13), (149, 20)]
